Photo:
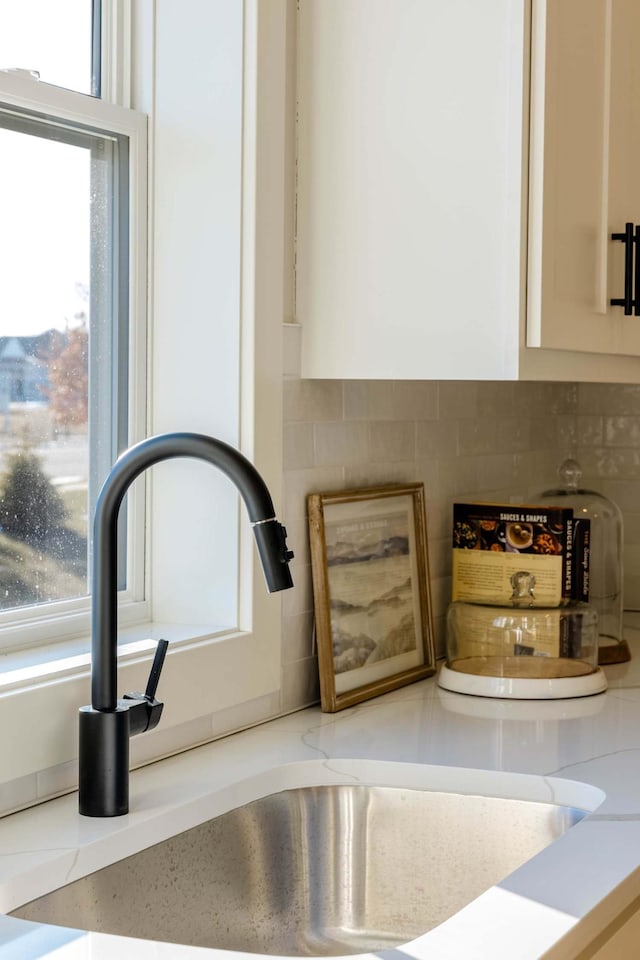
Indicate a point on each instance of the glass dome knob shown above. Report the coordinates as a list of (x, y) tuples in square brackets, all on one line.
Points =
[(570, 473)]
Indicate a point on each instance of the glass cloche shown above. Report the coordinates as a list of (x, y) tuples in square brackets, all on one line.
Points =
[(522, 652), (605, 593)]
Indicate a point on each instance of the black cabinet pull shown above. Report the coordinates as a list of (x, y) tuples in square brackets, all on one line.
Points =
[(636, 272), (628, 240)]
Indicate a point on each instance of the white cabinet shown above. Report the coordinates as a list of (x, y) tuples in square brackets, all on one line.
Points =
[(585, 182), (413, 193)]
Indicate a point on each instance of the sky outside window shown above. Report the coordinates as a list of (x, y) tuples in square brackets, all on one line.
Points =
[(44, 186), (50, 36), (45, 236)]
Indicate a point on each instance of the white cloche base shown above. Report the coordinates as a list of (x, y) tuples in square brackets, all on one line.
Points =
[(519, 688)]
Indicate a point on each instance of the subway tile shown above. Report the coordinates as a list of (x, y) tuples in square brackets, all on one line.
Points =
[(298, 540), (298, 537), (513, 435), (369, 399), (312, 400), (390, 399), (631, 527), (625, 493), (560, 398), (477, 436), (415, 400), (298, 445), (587, 457), (567, 397), (494, 495), (538, 398), (623, 464), (436, 438), (425, 471), (631, 580), (542, 433), (440, 558), (300, 684), (457, 399), (392, 441), (457, 475), (439, 519), (297, 484), (297, 637), (631, 557), (631, 591), (340, 443), (589, 430), (300, 598), (495, 471), (495, 399), (377, 474), (609, 399), (440, 595), (535, 471), (439, 634), (621, 431), (530, 399), (567, 431)]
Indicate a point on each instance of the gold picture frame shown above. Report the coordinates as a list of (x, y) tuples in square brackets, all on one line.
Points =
[(370, 571)]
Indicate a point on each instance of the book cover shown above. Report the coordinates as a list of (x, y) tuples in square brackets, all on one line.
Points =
[(581, 558), (512, 555)]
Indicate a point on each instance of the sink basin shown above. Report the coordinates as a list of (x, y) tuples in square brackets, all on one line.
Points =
[(314, 871)]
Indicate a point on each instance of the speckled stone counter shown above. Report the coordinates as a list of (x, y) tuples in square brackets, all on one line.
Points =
[(554, 905)]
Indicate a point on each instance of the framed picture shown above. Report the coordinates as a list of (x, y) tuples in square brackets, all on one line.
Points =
[(371, 591)]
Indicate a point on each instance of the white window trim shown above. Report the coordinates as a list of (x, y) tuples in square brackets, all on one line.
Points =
[(207, 670), (67, 618)]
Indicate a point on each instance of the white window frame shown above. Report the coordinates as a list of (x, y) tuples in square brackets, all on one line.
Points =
[(65, 618), (216, 678)]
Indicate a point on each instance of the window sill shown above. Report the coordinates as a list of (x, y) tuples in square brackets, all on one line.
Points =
[(68, 658), (211, 683)]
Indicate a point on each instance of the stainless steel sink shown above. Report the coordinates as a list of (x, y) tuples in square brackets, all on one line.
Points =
[(315, 871)]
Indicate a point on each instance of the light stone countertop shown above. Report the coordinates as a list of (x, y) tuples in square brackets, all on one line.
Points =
[(553, 905)]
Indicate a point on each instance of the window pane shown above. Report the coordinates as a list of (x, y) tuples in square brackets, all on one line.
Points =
[(57, 343), (53, 37)]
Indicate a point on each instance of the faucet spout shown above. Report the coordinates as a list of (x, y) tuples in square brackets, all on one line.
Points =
[(106, 726)]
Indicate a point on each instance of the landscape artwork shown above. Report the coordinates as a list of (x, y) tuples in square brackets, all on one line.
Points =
[(373, 589)]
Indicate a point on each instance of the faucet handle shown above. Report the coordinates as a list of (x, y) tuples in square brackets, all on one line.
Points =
[(156, 669), (146, 711)]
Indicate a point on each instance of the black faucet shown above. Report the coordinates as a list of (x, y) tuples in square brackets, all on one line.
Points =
[(108, 723)]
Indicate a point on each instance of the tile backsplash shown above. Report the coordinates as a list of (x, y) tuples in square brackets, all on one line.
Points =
[(607, 444), (463, 440)]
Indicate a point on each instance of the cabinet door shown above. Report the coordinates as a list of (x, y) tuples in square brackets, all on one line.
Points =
[(409, 172), (622, 943), (585, 176)]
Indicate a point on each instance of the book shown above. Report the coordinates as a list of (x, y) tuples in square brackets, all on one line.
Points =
[(513, 555), (581, 558)]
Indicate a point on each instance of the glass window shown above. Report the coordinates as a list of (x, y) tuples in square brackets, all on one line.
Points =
[(72, 192), (63, 356), (54, 38)]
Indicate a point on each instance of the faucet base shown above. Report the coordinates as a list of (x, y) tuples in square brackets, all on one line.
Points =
[(104, 762)]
